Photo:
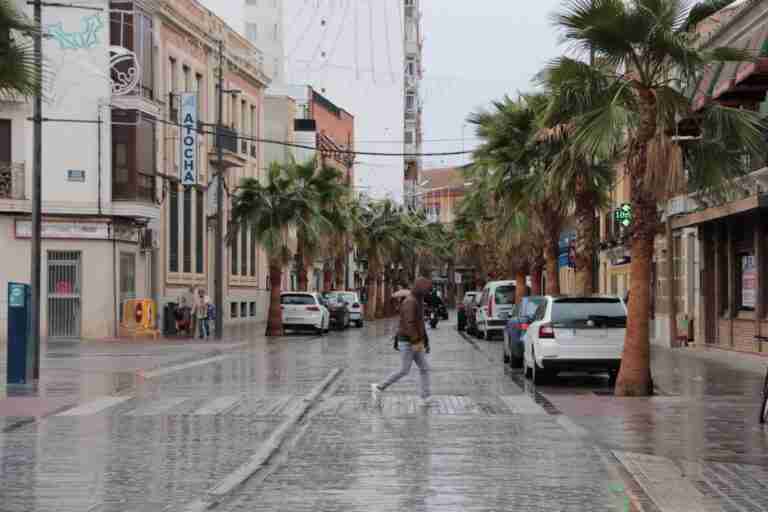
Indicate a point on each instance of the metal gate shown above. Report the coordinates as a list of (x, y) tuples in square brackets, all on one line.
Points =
[(64, 286)]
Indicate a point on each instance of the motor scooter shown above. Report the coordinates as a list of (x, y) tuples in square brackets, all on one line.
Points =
[(432, 317)]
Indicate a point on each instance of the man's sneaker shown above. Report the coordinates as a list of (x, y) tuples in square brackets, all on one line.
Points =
[(375, 394), (425, 402)]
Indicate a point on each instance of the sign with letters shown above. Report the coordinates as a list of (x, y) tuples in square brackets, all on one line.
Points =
[(188, 139)]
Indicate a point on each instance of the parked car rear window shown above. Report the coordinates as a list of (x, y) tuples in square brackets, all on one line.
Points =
[(583, 309), (340, 298), (505, 295), (531, 305), (297, 300)]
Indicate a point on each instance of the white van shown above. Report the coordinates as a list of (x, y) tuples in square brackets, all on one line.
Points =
[(496, 303)]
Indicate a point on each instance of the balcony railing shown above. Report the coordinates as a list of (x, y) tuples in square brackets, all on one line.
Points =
[(12, 180)]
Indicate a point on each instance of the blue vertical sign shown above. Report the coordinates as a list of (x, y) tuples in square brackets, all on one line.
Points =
[(18, 329), (188, 140)]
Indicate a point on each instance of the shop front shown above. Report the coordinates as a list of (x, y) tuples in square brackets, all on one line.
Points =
[(733, 273)]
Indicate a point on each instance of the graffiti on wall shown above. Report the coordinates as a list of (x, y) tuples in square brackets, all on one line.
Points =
[(85, 39)]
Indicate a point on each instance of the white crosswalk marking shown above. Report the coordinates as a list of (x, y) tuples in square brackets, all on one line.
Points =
[(157, 407), (95, 406), (217, 406), (522, 404)]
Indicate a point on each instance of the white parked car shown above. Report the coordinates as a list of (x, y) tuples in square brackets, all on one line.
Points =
[(304, 310), (496, 303), (575, 333)]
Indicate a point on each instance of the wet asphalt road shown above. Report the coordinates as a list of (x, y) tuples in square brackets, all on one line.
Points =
[(157, 439)]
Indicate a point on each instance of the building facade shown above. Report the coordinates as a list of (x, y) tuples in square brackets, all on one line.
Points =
[(413, 135), (117, 223)]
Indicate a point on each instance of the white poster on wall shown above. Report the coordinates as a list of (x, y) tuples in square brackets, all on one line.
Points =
[(748, 282), (188, 139)]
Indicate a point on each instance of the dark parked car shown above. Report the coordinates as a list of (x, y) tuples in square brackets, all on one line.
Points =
[(461, 310), (339, 310), (517, 323)]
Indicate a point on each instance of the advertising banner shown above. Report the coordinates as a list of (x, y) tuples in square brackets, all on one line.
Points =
[(188, 140)]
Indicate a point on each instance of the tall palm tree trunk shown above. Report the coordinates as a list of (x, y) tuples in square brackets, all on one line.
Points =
[(340, 271), (275, 315), (370, 284), (302, 275), (327, 278), (370, 306), (552, 256), (635, 375), (380, 313), (585, 242), (521, 290), (536, 272)]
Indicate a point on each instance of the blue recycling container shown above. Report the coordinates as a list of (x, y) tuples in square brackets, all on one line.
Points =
[(19, 323)]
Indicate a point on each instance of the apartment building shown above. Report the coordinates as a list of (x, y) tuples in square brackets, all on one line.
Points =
[(117, 223), (413, 135), (189, 59)]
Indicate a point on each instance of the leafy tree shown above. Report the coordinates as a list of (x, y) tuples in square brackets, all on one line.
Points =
[(17, 59)]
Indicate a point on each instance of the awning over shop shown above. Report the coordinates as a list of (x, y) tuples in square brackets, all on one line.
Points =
[(719, 212), (737, 83)]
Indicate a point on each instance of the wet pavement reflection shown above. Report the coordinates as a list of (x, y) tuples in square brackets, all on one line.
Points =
[(152, 426)]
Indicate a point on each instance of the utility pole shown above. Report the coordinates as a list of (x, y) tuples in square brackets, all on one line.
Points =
[(219, 265), (33, 345)]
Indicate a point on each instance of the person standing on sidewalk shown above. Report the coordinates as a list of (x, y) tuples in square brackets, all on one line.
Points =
[(412, 342), (201, 313)]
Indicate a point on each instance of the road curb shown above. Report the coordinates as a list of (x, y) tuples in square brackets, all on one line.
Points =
[(237, 478)]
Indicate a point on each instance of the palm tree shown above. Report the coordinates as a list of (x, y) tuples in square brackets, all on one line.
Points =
[(632, 100), (323, 188), (516, 161), (274, 211), (375, 232), (18, 73)]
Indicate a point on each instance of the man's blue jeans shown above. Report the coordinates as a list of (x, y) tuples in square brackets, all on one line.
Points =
[(407, 358)]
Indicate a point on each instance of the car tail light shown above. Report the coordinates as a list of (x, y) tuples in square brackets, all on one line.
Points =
[(313, 308), (524, 327), (546, 332)]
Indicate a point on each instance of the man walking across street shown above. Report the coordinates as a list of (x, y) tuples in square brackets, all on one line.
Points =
[(412, 342)]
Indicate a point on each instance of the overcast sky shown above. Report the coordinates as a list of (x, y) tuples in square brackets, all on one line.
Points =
[(474, 52)]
